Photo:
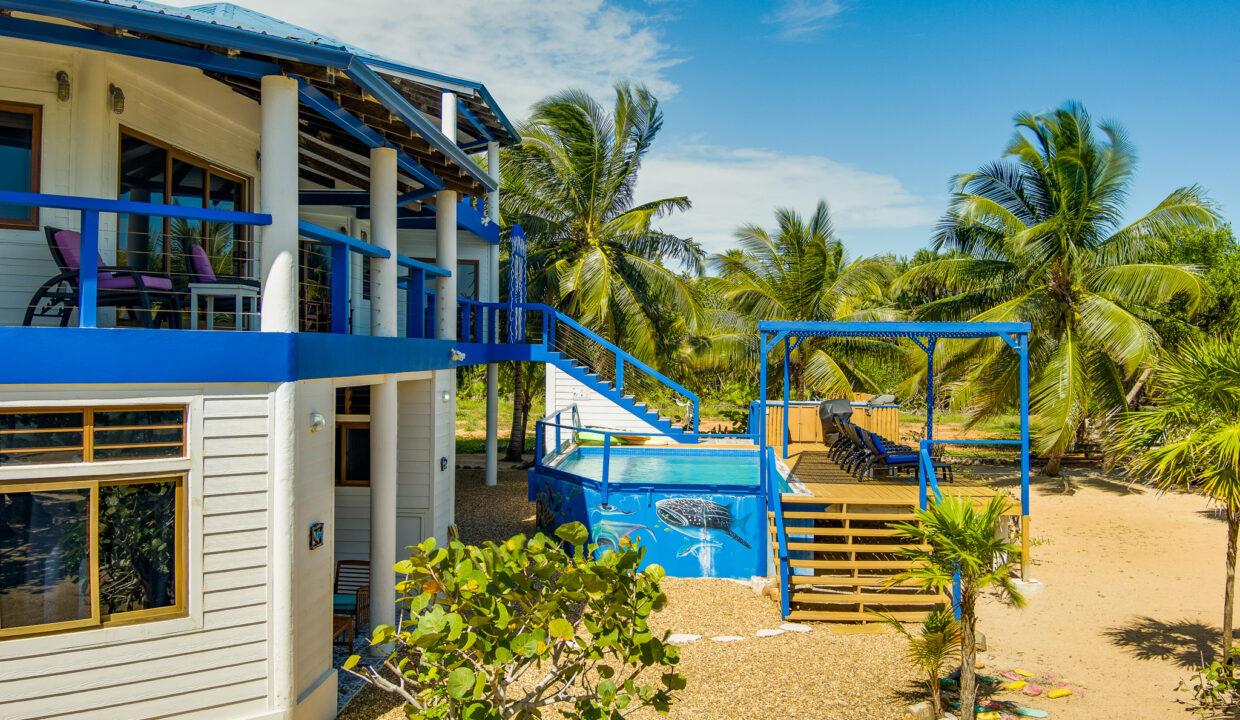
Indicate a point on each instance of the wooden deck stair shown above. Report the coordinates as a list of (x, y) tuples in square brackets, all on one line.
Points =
[(844, 555)]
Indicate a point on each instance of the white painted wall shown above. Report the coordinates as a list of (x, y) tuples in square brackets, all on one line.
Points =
[(595, 410), (212, 663)]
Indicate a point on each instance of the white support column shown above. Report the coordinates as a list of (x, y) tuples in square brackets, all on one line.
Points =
[(89, 99), (445, 234), (383, 440), (383, 233), (283, 546), (492, 445), (278, 197)]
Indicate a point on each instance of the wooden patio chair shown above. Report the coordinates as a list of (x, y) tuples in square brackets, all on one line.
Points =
[(351, 594), (120, 287)]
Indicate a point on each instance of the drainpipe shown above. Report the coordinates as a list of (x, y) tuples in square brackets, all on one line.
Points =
[(492, 469)]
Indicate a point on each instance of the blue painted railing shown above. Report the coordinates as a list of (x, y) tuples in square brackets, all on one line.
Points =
[(88, 230), (781, 535)]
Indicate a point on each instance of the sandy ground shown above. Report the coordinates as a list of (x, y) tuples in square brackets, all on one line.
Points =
[(1133, 598)]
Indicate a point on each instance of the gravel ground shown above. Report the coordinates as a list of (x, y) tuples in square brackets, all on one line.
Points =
[(826, 674)]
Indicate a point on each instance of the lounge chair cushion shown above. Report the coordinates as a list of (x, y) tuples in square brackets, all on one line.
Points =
[(900, 458), (342, 601), (70, 244), (202, 264)]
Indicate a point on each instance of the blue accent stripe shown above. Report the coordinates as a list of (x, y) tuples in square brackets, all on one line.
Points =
[(73, 202), (331, 237), (429, 269)]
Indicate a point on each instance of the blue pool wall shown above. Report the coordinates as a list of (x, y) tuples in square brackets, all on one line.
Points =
[(716, 531)]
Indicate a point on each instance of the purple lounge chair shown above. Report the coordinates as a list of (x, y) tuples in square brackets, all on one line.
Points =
[(118, 287)]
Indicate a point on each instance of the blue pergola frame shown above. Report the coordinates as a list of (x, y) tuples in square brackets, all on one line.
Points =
[(926, 336)]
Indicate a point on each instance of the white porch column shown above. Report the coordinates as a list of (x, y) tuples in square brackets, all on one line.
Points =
[(278, 197), (445, 234), (492, 445), (383, 233), (383, 502)]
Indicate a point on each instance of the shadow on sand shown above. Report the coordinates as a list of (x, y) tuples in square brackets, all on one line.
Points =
[(1187, 643)]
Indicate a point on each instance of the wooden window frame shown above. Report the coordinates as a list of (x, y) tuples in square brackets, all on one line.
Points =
[(342, 451), (88, 431), (99, 619), (209, 168), (31, 221)]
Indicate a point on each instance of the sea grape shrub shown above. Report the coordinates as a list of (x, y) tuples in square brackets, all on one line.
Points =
[(486, 632)]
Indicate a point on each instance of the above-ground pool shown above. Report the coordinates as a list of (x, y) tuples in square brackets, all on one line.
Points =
[(697, 511)]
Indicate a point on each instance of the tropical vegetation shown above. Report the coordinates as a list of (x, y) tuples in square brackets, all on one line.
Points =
[(960, 551), (935, 643), (1189, 438), (474, 621)]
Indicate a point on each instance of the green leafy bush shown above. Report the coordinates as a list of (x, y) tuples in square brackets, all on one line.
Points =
[(487, 632), (1215, 688)]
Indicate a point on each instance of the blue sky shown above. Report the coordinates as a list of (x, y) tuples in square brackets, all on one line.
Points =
[(870, 105)]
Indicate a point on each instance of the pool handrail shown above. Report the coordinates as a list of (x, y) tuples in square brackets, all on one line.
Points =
[(781, 537)]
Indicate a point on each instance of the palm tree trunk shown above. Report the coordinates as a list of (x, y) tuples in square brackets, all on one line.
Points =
[(1229, 592), (1136, 389), (516, 438), (1052, 465), (968, 653)]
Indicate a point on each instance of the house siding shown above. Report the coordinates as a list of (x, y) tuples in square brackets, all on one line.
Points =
[(595, 410)]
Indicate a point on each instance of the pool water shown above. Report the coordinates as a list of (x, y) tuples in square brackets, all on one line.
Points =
[(682, 467)]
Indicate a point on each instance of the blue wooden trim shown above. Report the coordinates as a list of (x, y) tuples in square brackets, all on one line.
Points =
[(429, 269), (930, 344), (88, 270), (345, 120), (402, 108), (331, 237), (415, 304), (787, 396), (413, 196), (465, 112), (75, 202), (468, 218), (145, 48), (1023, 351), (340, 288), (895, 329)]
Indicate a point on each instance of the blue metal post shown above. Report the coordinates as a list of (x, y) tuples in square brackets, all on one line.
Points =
[(762, 474), (1023, 352), (463, 319), (923, 477), (88, 270), (930, 343), (340, 288), (538, 443), (480, 325), (415, 299), (558, 439), (619, 372), (431, 329), (606, 463), (787, 392)]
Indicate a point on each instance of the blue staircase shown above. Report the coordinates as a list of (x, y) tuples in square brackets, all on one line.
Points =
[(617, 375)]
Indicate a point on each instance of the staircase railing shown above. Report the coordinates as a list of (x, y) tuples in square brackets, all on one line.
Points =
[(781, 535), (627, 374)]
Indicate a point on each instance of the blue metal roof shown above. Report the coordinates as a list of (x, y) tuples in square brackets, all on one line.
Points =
[(228, 16), (894, 329)]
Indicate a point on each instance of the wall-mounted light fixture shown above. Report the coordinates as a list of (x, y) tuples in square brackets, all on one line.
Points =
[(317, 421), (117, 97), (443, 463), (446, 396), (457, 355), (62, 85)]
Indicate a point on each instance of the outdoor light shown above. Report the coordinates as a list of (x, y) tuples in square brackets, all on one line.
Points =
[(117, 97), (62, 85), (457, 355), (317, 421), (446, 396)]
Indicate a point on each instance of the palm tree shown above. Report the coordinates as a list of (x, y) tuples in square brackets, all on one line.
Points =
[(1042, 242), (799, 272), (956, 542), (936, 643), (593, 251), (1190, 437)]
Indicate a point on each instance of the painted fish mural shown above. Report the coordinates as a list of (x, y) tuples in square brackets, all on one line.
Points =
[(606, 509), (697, 518), (607, 533)]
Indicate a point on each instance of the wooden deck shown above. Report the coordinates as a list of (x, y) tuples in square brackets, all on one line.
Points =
[(824, 479)]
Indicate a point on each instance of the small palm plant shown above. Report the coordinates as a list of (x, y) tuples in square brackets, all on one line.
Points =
[(1190, 438), (965, 547), (936, 643)]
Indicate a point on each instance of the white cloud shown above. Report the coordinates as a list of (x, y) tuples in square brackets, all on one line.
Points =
[(522, 50), (799, 18), (731, 187)]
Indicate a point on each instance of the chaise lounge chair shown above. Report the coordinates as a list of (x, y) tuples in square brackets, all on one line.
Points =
[(119, 287)]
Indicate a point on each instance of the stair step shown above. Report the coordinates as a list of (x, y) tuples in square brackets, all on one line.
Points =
[(890, 517), (844, 616), (824, 598), (791, 499), (853, 564), (852, 547), (842, 532), (833, 581)]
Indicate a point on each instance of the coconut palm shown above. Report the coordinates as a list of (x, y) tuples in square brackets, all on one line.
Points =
[(593, 251), (1190, 437), (1042, 242), (958, 542), (799, 272), (936, 643)]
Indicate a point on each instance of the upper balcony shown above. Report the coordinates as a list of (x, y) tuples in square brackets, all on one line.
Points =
[(187, 282)]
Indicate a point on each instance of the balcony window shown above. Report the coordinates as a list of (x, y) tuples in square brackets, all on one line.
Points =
[(54, 435), (20, 143)]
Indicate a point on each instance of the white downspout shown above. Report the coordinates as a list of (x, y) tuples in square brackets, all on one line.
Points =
[(492, 445)]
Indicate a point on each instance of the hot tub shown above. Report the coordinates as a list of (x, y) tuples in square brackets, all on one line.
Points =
[(697, 511)]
